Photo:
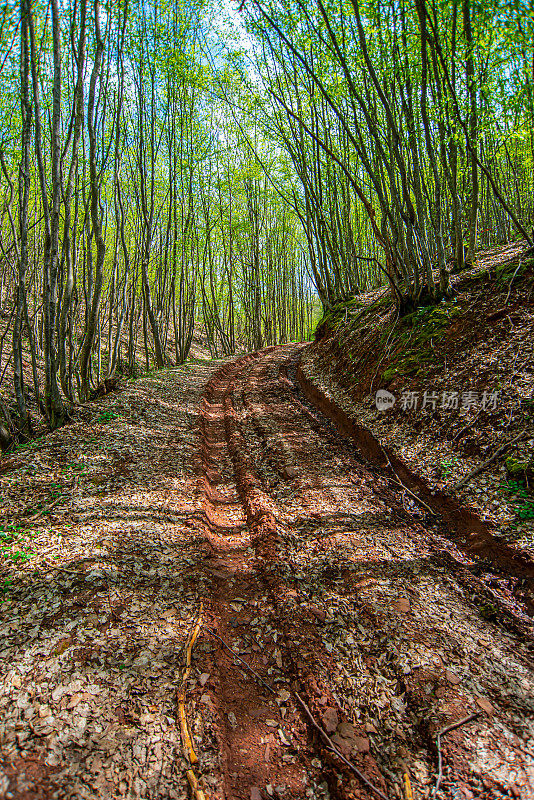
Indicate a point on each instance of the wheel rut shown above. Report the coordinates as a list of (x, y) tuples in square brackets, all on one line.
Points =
[(319, 580)]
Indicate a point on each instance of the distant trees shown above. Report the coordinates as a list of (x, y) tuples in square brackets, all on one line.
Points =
[(131, 209)]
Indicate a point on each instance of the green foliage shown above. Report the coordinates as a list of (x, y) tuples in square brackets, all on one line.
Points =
[(448, 467), (508, 272), (14, 543), (417, 333), (107, 416), (523, 500)]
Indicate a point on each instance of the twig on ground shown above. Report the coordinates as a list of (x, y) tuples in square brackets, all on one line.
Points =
[(338, 753), (186, 736), (415, 497), (252, 671), (488, 461), (441, 733), (412, 494), (469, 425), (510, 284), (198, 794)]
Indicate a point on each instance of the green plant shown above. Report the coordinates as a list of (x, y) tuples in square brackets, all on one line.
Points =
[(524, 502), (107, 416), (448, 466), (12, 543)]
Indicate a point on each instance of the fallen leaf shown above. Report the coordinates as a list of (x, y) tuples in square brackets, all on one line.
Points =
[(61, 646), (402, 605), (485, 705), (452, 677), (283, 738)]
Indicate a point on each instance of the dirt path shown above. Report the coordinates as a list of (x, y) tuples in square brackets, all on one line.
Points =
[(310, 571)]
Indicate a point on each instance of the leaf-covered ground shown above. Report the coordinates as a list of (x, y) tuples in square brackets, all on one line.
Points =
[(462, 373), (219, 484)]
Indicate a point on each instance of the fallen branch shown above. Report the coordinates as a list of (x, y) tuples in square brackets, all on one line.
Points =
[(187, 743), (198, 794), (466, 427), (510, 284), (441, 733), (46, 510), (252, 671), (415, 497), (488, 461), (338, 753), (412, 494)]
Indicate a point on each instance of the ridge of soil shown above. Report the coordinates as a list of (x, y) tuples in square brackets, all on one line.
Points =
[(480, 340)]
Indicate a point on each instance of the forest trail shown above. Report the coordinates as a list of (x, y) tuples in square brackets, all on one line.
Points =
[(217, 483)]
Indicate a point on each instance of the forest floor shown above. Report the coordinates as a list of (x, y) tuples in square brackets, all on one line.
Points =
[(461, 375), (340, 607)]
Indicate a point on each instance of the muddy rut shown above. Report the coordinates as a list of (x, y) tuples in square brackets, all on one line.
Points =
[(336, 598)]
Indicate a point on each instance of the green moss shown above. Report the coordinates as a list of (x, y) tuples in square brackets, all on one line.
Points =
[(411, 363), (506, 272), (515, 466)]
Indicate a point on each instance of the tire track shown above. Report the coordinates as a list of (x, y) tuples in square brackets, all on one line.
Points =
[(301, 503)]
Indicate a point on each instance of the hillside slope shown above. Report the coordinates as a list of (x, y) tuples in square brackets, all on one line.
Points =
[(462, 378)]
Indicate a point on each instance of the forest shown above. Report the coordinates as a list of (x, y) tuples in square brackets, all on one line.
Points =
[(173, 167), (266, 400)]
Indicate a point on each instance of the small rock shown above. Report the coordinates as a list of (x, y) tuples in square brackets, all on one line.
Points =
[(330, 720), (361, 744), (255, 793), (291, 472), (271, 723), (318, 613), (485, 705), (204, 678), (452, 677)]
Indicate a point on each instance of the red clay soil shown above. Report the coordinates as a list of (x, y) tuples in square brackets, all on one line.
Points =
[(381, 630)]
